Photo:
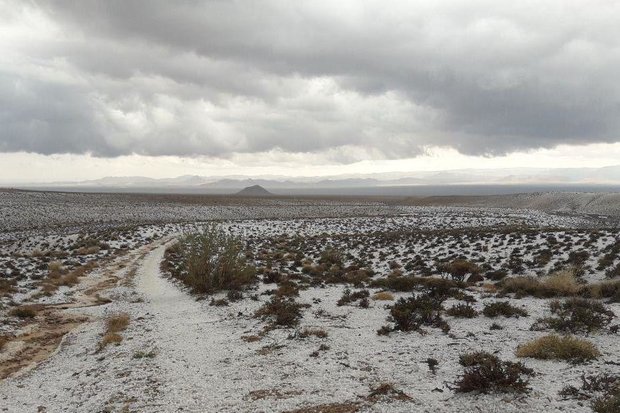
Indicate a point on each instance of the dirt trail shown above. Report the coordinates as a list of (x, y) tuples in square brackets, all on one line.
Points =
[(189, 344), (53, 366)]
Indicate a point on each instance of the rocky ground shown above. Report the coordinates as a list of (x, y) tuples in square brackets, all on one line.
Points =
[(176, 351)]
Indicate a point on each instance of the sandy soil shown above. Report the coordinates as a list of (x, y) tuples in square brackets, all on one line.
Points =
[(182, 355)]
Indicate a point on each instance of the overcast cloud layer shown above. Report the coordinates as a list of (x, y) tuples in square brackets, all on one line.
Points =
[(345, 80)]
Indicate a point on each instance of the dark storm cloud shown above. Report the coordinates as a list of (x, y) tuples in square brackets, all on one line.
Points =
[(218, 78)]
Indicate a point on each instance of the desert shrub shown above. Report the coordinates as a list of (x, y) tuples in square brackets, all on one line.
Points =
[(350, 297), (561, 284), (605, 386), (432, 364), (287, 288), (386, 390), (486, 373), (412, 313), (219, 302), (24, 311), (462, 311), (234, 295), (332, 256), (404, 283), (281, 311), (316, 332), (576, 315), (458, 269), (438, 287), (383, 296), (3, 340), (496, 275), (7, 286), (503, 308), (209, 261), (613, 272), (553, 347), (55, 268), (475, 358), (608, 403), (605, 289)]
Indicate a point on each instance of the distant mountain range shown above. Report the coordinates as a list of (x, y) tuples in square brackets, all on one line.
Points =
[(609, 175)]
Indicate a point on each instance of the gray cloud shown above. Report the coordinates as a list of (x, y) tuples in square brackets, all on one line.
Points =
[(218, 78)]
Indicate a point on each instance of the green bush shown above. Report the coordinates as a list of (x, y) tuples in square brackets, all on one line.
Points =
[(412, 313), (209, 261), (462, 311), (503, 308), (576, 315), (281, 311), (486, 373)]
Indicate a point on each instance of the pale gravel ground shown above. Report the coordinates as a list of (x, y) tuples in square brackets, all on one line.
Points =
[(202, 365)]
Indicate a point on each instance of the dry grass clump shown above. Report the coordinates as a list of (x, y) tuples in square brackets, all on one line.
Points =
[(24, 311), (3, 340), (387, 390), (576, 315), (113, 326), (346, 407), (110, 338), (58, 276), (117, 322), (560, 284), (383, 296), (55, 267), (209, 261), (7, 286), (503, 308), (553, 347), (316, 332), (605, 289), (486, 373)]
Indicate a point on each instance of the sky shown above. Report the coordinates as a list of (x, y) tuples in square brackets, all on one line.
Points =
[(157, 88)]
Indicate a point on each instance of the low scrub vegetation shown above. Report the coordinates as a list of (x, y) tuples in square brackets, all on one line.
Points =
[(486, 373), (458, 269), (349, 297), (576, 315), (503, 308), (281, 311), (462, 311), (434, 286), (410, 314), (561, 284), (316, 332), (606, 289), (4, 339), (24, 311), (603, 390), (209, 261), (383, 296), (114, 325), (553, 347)]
